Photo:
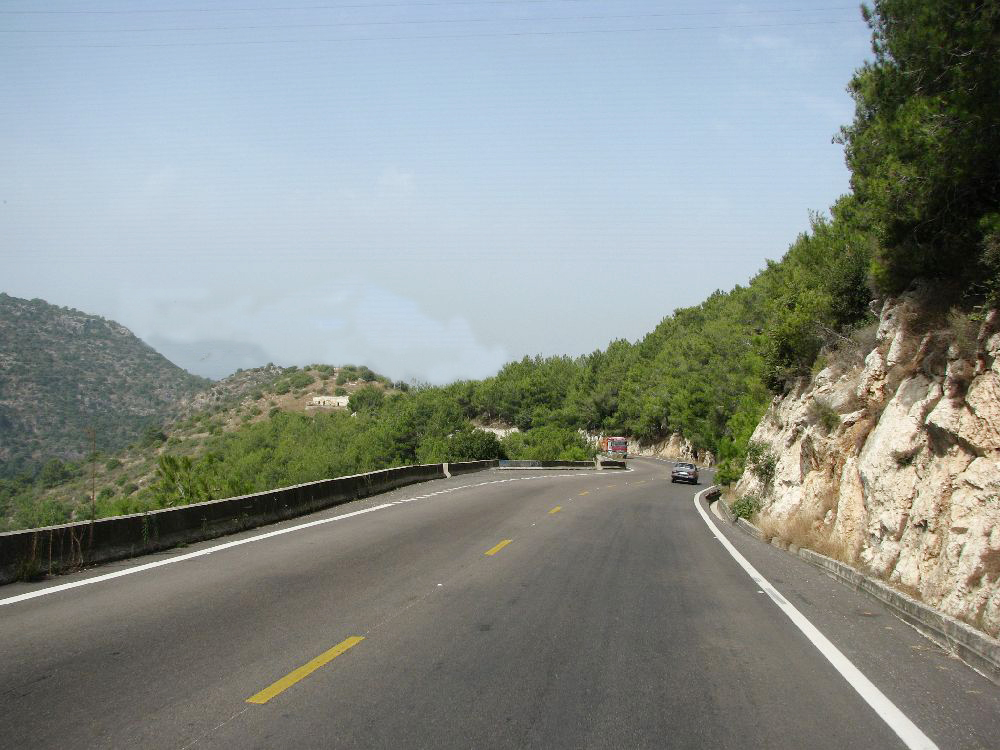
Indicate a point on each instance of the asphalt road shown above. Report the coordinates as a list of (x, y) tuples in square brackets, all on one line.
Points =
[(608, 615)]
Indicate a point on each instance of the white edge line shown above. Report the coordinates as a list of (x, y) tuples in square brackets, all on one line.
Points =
[(905, 729), (228, 545)]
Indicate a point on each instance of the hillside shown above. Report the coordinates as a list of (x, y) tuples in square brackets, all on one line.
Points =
[(237, 410), (63, 372)]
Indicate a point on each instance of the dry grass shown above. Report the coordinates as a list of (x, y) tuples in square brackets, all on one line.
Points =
[(804, 531)]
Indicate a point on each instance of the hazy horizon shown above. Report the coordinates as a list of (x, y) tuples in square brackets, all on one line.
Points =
[(430, 190)]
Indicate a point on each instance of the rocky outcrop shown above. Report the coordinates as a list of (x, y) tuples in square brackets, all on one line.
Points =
[(892, 463), (674, 448)]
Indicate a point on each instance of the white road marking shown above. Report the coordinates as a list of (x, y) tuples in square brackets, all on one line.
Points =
[(239, 542), (898, 722)]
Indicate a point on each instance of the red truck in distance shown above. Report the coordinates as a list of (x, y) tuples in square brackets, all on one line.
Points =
[(616, 447)]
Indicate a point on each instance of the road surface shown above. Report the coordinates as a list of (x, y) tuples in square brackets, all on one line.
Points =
[(541, 609)]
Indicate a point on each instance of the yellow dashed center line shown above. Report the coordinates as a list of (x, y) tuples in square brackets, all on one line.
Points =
[(304, 671), (493, 550), (585, 492), (555, 510)]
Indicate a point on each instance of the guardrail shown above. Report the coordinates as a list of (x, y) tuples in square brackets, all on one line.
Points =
[(597, 463), (34, 552)]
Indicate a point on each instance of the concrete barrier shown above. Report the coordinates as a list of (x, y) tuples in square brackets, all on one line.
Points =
[(727, 512), (531, 464), (34, 552), (466, 467), (609, 463), (750, 529), (973, 646)]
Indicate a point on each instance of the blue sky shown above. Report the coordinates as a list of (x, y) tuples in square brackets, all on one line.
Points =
[(429, 188)]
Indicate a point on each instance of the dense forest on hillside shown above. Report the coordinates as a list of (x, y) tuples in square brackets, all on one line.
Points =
[(64, 373), (924, 209)]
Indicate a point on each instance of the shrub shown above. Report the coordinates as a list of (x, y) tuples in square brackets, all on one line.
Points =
[(728, 472), (54, 472), (151, 436), (368, 399), (548, 443), (762, 462), (822, 413), (964, 334), (111, 464), (300, 379), (747, 507)]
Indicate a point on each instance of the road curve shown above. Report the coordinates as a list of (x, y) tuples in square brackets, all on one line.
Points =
[(500, 609)]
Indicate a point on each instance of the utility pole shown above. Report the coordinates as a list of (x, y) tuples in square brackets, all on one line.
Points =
[(92, 434)]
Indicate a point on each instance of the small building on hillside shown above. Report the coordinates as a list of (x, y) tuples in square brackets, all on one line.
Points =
[(330, 401)]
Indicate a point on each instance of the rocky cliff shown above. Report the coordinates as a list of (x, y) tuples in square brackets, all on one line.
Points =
[(892, 462), (674, 448)]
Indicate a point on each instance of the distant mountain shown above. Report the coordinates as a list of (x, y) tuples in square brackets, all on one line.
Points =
[(63, 371), (212, 358)]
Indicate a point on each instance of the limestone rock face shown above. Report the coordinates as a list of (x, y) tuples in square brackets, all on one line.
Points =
[(674, 448), (894, 465)]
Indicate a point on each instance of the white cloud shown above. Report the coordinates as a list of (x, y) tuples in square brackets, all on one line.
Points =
[(396, 180), (357, 324)]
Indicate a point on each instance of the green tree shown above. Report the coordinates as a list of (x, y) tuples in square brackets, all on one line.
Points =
[(924, 146), (467, 444), (54, 472), (368, 399), (548, 443)]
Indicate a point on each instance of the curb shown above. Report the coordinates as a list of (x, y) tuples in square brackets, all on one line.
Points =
[(974, 647)]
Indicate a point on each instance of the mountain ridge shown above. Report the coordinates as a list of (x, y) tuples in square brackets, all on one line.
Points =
[(63, 371)]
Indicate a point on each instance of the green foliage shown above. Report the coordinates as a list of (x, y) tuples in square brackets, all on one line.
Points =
[(339, 391), (746, 507), (466, 444), (153, 435), (761, 462), (177, 484), (55, 472), (301, 379), (549, 443), (818, 290), (924, 142), (65, 371), (822, 413), (525, 393), (366, 400)]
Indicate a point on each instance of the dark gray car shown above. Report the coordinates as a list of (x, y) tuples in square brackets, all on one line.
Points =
[(684, 473)]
